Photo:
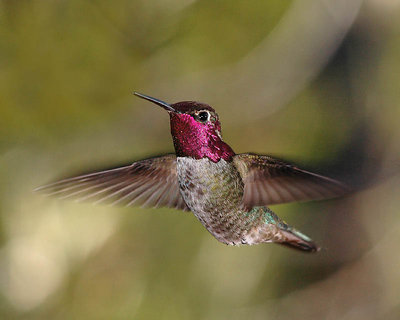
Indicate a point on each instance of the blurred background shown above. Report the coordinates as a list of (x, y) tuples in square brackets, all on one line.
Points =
[(311, 81)]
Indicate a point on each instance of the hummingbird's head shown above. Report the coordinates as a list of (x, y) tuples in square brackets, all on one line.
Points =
[(195, 129)]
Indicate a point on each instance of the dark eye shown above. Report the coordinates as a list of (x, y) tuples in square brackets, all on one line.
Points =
[(203, 116)]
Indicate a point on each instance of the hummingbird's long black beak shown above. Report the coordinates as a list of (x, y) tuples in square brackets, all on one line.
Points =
[(160, 103)]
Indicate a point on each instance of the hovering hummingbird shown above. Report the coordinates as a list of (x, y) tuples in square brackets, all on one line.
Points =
[(227, 192)]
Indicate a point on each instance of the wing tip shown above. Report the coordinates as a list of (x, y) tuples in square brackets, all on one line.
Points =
[(43, 188), (38, 189)]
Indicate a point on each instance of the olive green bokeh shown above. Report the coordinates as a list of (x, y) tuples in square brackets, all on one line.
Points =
[(67, 73)]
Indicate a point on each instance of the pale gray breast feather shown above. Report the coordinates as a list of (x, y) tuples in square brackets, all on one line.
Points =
[(199, 167), (212, 181)]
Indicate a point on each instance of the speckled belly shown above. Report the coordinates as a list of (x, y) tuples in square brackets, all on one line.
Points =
[(213, 192)]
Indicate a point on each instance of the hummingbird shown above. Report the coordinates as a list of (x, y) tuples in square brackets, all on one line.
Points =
[(228, 193)]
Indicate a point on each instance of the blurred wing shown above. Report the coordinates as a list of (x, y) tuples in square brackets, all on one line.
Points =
[(151, 183), (269, 181)]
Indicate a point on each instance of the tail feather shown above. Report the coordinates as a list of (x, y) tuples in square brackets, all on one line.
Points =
[(296, 240), (266, 226)]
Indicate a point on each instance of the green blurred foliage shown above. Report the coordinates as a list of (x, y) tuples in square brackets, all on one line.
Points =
[(67, 71)]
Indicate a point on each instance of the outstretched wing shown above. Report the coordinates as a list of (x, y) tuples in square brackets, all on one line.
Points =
[(269, 181), (151, 183)]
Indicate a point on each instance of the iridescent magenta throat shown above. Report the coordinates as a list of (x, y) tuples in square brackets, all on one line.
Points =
[(198, 140)]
